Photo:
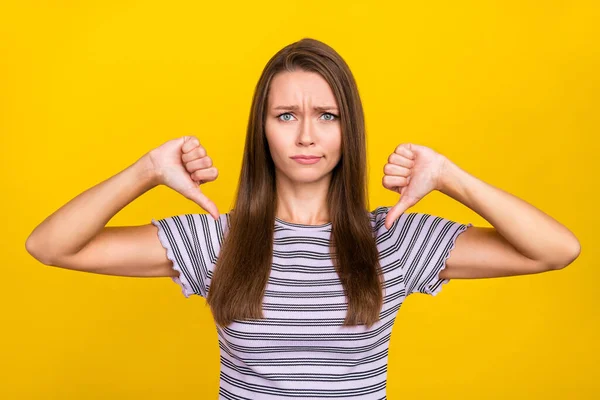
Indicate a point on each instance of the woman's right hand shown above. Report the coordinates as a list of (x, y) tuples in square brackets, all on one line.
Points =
[(182, 164)]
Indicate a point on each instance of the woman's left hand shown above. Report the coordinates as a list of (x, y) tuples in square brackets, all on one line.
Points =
[(413, 171)]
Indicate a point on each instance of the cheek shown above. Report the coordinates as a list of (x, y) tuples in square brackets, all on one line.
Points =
[(272, 137), (334, 145), (279, 146)]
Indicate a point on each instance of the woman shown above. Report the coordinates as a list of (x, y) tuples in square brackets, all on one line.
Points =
[(304, 282)]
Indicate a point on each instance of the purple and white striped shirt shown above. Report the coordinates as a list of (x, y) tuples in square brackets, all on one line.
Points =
[(300, 349)]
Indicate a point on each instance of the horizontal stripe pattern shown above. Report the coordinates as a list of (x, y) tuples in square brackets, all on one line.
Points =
[(300, 349)]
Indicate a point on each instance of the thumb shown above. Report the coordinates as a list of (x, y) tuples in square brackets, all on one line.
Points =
[(397, 210), (203, 201)]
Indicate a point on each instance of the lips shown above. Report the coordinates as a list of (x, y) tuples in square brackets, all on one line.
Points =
[(305, 157)]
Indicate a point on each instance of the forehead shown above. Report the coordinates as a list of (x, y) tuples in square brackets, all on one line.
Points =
[(298, 87)]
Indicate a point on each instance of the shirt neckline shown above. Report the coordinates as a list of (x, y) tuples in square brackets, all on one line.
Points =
[(303, 227)]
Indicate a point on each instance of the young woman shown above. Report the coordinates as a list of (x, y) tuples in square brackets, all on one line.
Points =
[(303, 281)]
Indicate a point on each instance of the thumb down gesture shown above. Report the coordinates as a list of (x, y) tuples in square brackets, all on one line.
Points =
[(413, 171), (183, 164)]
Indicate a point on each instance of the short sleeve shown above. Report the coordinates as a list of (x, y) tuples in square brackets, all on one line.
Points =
[(192, 242), (424, 243)]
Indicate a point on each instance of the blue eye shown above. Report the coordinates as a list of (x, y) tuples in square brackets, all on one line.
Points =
[(287, 113), (283, 114)]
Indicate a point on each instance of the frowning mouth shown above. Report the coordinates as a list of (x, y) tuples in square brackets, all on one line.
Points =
[(306, 159)]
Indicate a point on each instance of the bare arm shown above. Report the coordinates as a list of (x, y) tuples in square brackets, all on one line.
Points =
[(121, 251), (75, 236), (69, 229), (523, 238)]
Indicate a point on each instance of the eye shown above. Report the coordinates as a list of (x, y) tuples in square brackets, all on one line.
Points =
[(333, 115), (287, 113)]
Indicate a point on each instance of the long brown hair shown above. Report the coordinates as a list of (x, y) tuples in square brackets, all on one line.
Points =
[(244, 264)]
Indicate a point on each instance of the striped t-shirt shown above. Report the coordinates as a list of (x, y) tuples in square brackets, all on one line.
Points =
[(300, 349)]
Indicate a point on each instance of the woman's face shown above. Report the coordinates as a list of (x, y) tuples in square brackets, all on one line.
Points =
[(312, 128)]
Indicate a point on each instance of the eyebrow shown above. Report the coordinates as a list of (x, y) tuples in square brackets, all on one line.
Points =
[(296, 108)]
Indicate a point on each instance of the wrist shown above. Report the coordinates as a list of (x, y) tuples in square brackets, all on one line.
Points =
[(455, 182), (146, 171), (447, 177)]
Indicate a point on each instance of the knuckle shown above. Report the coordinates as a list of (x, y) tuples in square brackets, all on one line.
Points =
[(191, 166), (204, 163), (195, 152), (205, 174)]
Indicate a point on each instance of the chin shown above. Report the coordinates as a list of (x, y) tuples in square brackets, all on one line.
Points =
[(306, 177)]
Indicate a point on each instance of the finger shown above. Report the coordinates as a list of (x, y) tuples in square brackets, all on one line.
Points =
[(397, 210), (394, 169), (405, 188), (206, 175), (405, 149), (200, 163), (207, 204), (189, 142), (392, 182), (402, 160), (392, 216), (196, 152)]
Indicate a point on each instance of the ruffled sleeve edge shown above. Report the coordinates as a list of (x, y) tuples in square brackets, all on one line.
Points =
[(182, 281), (435, 287)]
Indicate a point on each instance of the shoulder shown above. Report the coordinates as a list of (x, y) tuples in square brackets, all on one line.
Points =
[(379, 214), (407, 222), (194, 225)]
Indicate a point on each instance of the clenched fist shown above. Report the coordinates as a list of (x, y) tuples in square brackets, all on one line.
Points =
[(182, 164), (413, 171)]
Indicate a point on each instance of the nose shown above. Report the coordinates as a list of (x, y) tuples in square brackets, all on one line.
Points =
[(306, 134)]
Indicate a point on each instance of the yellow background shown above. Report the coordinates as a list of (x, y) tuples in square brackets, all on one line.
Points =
[(508, 90)]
